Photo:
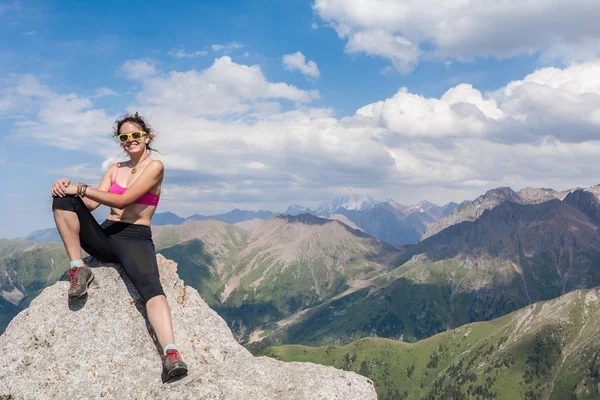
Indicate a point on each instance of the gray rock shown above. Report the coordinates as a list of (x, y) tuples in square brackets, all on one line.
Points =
[(101, 346)]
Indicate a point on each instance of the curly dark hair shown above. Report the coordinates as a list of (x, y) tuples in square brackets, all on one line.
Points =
[(139, 121)]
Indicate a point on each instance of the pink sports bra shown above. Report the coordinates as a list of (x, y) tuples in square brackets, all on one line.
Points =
[(148, 198)]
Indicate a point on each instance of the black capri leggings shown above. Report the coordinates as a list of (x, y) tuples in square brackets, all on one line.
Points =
[(117, 242)]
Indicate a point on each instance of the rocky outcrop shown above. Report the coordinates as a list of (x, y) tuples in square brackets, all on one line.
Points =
[(101, 346)]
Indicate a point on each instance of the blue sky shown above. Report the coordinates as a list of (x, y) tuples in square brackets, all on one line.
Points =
[(432, 101)]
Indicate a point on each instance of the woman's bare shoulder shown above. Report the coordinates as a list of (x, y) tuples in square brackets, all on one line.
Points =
[(113, 168), (157, 164)]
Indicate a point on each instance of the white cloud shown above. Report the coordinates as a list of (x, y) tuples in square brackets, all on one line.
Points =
[(30, 33), (224, 88), (23, 96), (407, 32), (314, 26), (226, 48), (104, 92), (297, 62), (55, 119), (182, 54), (227, 140), (461, 111), (139, 69), (403, 54)]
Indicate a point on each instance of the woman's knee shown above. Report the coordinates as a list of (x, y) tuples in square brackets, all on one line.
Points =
[(67, 203), (149, 287)]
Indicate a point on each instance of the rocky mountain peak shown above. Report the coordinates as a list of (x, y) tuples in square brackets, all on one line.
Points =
[(306, 219), (102, 346), (585, 201), (471, 210)]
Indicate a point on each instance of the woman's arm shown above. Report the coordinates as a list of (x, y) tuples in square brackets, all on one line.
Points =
[(103, 186), (152, 175)]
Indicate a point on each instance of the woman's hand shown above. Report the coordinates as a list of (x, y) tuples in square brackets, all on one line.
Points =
[(59, 187)]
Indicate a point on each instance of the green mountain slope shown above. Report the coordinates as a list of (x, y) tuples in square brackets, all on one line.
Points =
[(549, 350), (26, 268), (8, 246)]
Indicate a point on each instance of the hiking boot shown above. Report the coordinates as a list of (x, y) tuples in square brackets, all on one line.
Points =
[(173, 364), (81, 277)]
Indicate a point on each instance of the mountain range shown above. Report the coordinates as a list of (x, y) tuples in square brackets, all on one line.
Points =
[(512, 256), (471, 210), (388, 220)]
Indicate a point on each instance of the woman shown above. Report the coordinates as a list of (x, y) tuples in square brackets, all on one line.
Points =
[(131, 189)]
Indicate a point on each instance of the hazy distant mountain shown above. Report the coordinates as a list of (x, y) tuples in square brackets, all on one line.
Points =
[(296, 209), (167, 218), (231, 217), (385, 223), (347, 202), (396, 223), (44, 235), (388, 221)]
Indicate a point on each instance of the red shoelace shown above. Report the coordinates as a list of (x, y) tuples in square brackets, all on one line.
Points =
[(73, 276), (172, 355)]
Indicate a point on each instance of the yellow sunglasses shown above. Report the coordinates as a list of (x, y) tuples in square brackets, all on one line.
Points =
[(124, 137)]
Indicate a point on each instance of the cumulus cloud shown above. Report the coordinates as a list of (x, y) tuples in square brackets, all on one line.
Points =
[(229, 142), (224, 88), (461, 111), (297, 62), (403, 54), (182, 54), (407, 32)]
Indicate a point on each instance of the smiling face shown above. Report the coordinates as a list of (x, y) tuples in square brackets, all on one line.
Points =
[(133, 146)]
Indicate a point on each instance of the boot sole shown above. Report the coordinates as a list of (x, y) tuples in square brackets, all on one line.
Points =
[(90, 279), (178, 371)]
